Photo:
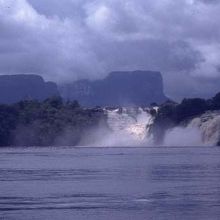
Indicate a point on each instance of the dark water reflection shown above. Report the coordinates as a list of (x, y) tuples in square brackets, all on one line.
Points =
[(110, 183)]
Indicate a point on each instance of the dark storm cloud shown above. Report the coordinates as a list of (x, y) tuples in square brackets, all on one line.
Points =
[(72, 39), (209, 1)]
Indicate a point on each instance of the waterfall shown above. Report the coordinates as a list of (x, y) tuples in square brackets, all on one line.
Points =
[(133, 127), (130, 125), (209, 127), (201, 130)]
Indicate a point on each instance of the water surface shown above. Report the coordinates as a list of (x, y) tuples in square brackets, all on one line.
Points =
[(110, 183)]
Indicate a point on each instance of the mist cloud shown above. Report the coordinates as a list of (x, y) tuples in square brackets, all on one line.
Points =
[(72, 39)]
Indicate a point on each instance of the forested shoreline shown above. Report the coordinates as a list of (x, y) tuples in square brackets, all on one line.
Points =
[(55, 122), (45, 123)]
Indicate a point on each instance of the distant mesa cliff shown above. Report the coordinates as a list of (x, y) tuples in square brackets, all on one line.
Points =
[(118, 89), (137, 88), (14, 88)]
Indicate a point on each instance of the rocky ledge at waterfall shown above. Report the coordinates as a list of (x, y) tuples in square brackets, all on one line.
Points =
[(194, 115)]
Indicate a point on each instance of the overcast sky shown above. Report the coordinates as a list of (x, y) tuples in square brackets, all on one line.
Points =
[(65, 40)]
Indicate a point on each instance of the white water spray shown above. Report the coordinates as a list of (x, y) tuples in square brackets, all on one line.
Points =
[(202, 130), (129, 126)]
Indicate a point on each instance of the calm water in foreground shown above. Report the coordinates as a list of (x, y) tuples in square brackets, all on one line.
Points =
[(110, 183)]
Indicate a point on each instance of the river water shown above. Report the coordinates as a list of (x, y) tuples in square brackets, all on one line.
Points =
[(110, 183)]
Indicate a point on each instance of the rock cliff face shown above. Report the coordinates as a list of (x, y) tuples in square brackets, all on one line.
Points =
[(136, 88), (14, 88)]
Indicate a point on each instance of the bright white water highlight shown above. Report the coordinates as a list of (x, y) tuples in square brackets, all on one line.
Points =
[(133, 122), (129, 127)]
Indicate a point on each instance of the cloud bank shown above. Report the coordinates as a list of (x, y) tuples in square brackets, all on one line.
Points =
[(74, 39)]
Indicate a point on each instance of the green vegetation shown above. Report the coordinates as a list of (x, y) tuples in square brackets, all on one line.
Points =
[(171, 114), (51, 122)]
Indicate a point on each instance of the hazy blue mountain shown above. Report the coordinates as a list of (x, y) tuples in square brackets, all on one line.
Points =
[(14, 88), (118, 89)]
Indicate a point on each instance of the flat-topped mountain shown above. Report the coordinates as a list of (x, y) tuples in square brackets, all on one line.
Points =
[(118, 89), (14, 88)]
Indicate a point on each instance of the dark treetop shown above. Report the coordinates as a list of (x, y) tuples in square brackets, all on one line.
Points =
[(46, 123)]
